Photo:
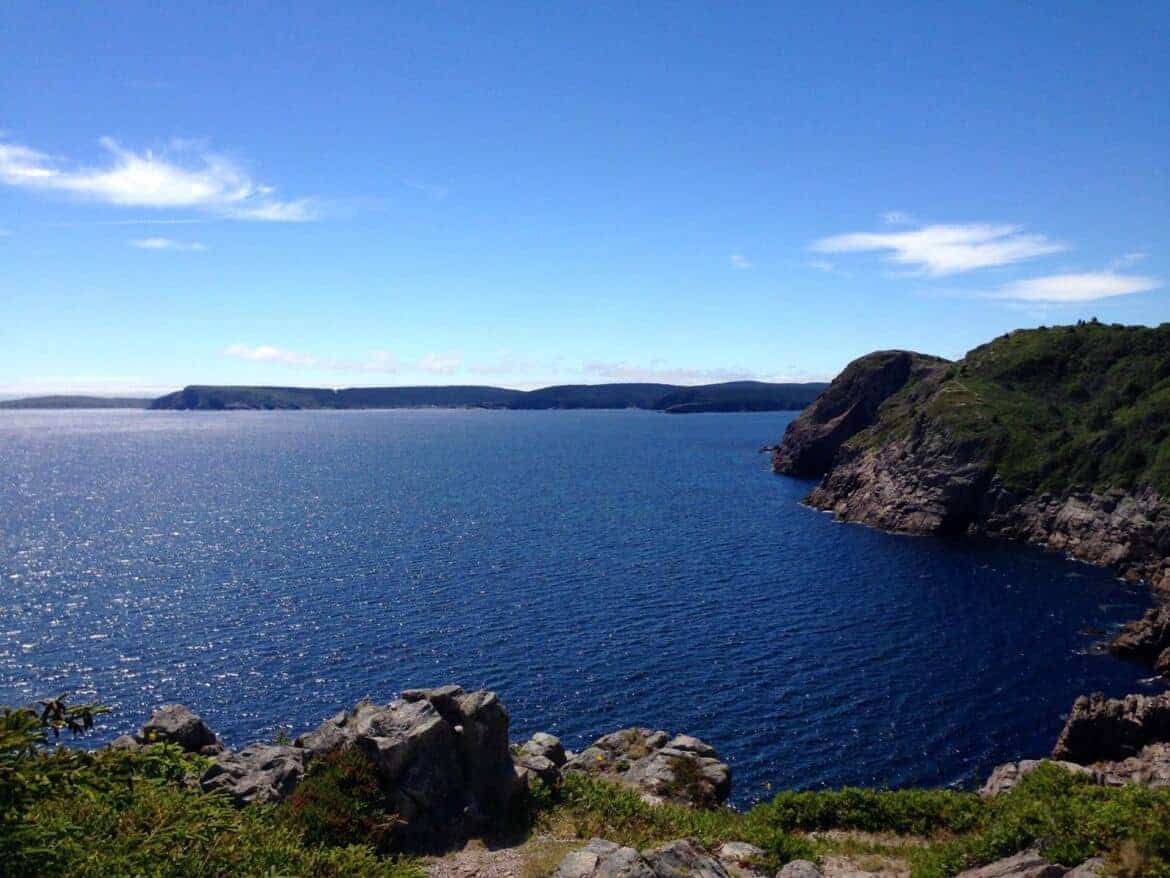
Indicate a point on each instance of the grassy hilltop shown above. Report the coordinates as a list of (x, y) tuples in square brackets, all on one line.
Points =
[(1052, 408)]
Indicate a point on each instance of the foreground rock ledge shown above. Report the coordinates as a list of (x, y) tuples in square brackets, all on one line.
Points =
[(662, 768), (444, 758)]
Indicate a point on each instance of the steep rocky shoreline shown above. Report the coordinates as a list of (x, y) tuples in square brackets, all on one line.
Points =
[(450, 774), (889, 460)]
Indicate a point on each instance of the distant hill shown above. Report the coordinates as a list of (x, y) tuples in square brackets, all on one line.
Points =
[(76, 402), (735, 396)]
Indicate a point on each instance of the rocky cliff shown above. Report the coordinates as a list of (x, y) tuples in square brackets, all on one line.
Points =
[(1057, 437)]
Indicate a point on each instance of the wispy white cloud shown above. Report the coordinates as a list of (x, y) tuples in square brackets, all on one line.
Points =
[(738, 260), (946, 249), (268, 354), (209, 181), (1067, 288), (1127, 259), (657, 371), (897, 218), (378, 362), (167, 244)]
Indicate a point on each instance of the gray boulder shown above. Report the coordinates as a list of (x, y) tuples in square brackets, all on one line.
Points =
[(1093, 868), (540, 758), (740, 852), (604, 859), (1026, 864), (442, 755), (799, 869), (259, 773), (662, 768), (173, 724)]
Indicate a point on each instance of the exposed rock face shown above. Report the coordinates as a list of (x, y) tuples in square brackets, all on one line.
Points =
[(540, 757), (847, 406), (1150, 768), (901, 464), (799, 869), (1114, 528), (173, 724), (926, 483), (680, 769), (1109, 729), (605, 859), (1148, 638), (442, 753), (1027, 864), (1005, 777), (258, 773)]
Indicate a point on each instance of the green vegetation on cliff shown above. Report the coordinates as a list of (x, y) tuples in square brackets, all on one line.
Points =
[(67, 812), (1052, 408)]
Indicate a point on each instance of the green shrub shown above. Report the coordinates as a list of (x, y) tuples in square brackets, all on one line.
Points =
[(341, 801)]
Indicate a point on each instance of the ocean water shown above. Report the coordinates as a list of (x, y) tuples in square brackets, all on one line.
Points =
[(598, 569)]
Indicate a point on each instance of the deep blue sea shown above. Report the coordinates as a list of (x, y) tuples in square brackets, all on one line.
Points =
[(598, 569)]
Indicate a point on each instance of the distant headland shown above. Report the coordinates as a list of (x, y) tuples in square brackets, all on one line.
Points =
[(735, 396), (732, 396)]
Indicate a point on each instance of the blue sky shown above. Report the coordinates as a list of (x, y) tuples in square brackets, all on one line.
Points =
[(362, 194)]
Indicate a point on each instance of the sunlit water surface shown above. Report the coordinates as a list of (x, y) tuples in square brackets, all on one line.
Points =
[(598, 569)]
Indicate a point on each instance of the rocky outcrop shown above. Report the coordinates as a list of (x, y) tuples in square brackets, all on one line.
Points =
[(1129, 531), (847, 406), (540, 757), (1026, 864), (173, 724), (926, 483), (1110, 729), (259, 773), (605, 859), (660, 767), (1005, 777), (442, 754), (799, 869), (1148, 638)]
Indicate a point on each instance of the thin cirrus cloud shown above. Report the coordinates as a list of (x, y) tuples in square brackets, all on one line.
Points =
[(379, 362), (1073, 288), (939, 250), (167, 244), (739, 261), (659, 371), (208, 182)]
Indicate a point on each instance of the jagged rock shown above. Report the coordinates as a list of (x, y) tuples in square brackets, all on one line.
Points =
[(925, 483), (1027, 864), (1107, 729), (799, 869), (740, 852), (176, 724), (1147, 639), (1004, 778), (680, 769), (259, 773), (1150, 768), (540, 757), (605, 859), (847, 406), (1092, 868), (442, 754), (125, 742), (684, 859), (546, 745)]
